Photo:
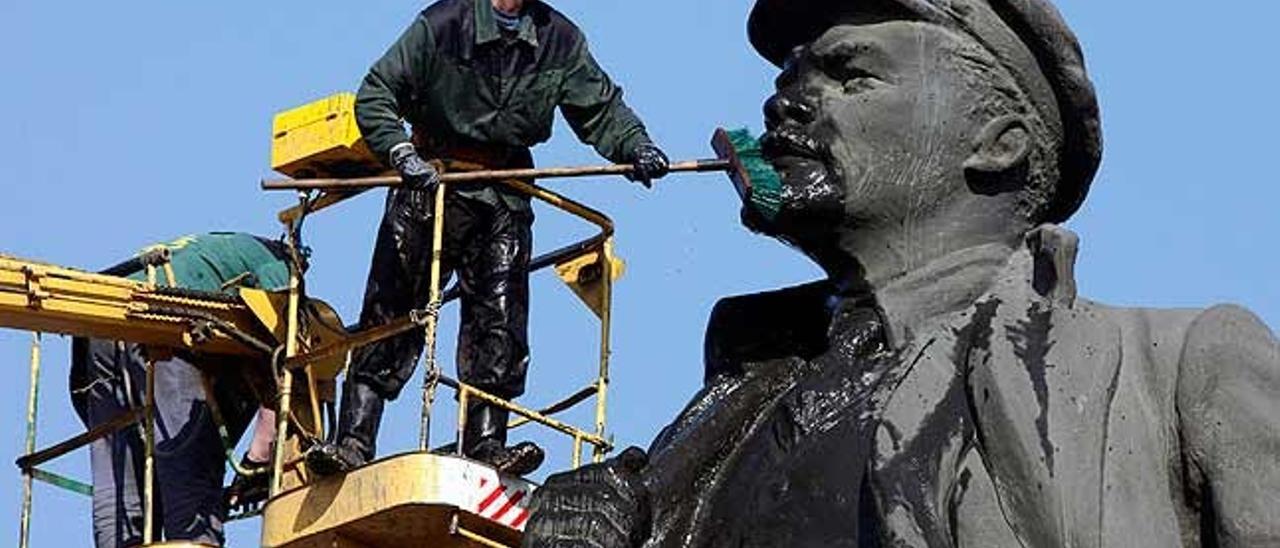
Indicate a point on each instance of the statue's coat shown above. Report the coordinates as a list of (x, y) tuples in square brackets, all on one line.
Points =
[(1027, 418)]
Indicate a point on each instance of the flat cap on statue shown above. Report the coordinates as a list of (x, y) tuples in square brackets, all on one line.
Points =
[(1029, 37)]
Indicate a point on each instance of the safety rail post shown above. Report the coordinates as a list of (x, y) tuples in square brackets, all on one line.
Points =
[(431, 369), (33, 406), (464, 397), (606, 320), (284, 384), (149, 455)]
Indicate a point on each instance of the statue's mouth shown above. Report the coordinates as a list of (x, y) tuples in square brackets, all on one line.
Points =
[(788, 146), (809, 199)]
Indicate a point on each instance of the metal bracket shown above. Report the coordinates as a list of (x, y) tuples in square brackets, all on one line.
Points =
[(35, 294)]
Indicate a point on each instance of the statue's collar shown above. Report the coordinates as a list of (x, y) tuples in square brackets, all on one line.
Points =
[(953, 283)]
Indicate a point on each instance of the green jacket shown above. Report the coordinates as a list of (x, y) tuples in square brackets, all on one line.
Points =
[(206, 262), (454, 76)]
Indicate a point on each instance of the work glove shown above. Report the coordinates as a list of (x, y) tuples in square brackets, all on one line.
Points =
[(416, 172), (649, 163), (603, 504)]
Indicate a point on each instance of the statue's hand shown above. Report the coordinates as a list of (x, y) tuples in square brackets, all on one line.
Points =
[(601, 505)]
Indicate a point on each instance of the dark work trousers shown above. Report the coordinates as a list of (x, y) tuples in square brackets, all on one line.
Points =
[(108, 379), (487, 242)]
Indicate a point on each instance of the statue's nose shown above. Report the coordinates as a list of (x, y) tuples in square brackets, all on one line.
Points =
[(787, 107)]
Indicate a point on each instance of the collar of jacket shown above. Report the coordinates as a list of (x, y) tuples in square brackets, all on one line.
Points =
[(1045, 265), (487, 26)]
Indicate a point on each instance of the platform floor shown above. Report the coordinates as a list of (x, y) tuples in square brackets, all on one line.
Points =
[(405, 500)]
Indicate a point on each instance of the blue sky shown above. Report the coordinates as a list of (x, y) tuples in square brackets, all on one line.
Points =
[(133, 122)]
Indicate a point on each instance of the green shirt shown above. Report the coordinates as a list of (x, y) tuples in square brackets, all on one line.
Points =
[(206, 262), (455, 76)]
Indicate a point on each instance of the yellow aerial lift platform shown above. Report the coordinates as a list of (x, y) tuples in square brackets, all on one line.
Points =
[(300, 346)]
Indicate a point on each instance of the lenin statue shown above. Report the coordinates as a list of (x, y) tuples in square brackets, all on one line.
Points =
[(944, 385)]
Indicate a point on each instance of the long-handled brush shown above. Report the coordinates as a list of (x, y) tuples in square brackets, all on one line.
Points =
[(737, 153), (757, 183)]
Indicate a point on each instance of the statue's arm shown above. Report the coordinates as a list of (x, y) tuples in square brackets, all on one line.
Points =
[(1228, 405), (766, 326)]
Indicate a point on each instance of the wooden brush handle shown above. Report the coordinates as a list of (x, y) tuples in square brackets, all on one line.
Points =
[(488, 175)]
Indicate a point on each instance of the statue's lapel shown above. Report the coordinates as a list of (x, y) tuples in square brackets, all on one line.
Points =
[(1041, 381), (925, 430)]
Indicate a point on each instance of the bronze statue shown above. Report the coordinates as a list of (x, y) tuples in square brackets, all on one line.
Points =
[(944, 386)]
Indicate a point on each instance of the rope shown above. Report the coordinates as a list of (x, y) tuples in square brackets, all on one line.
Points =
[(429, 317)]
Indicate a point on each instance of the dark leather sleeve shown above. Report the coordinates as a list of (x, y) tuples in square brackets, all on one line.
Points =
[(789, 322)]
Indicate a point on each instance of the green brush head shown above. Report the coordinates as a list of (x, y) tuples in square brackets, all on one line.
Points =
[(763, 188)]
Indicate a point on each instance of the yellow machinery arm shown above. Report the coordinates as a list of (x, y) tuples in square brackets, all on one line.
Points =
[(45, 298), (249, 326)]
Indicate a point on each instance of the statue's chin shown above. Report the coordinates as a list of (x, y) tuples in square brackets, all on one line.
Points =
[(810, 204)]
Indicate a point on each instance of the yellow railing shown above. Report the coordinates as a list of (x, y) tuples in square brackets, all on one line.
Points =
[(46, 298), (598, 246)]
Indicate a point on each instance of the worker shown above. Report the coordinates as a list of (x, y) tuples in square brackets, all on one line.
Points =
[(108, 379), (479, 82)]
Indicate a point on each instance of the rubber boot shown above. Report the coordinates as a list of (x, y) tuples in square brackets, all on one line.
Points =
[(486, 441), (358, 423)]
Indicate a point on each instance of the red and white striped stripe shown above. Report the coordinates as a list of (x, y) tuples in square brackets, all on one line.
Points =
[(505, 502)]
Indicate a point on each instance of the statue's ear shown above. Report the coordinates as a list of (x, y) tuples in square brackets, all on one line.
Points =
[(1000, 152)]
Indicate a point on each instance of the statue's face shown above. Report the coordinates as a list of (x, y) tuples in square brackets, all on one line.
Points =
[(868, 128)]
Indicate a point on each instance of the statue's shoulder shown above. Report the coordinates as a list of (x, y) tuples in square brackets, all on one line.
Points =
[(1229, 344), (1190, 343), (1229, 324), (784, 323)]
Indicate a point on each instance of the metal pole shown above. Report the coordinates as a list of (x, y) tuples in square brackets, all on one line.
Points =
[(485, 175), (284, 387), (313, 393), (149, 452), (33, 401), (432, 369), (606, 319), (464, 393)]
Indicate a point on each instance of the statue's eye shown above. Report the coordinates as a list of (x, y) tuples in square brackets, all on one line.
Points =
[(846, 70), (858, 81)]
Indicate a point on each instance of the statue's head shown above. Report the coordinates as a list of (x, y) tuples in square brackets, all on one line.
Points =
[(970, 118)]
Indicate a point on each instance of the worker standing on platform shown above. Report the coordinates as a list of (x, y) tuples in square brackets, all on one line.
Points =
[(108, 379), (479, 82)]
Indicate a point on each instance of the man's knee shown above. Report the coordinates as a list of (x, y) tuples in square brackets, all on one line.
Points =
[(386, 383)]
